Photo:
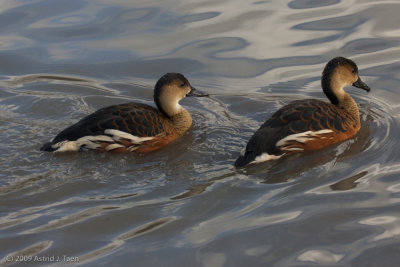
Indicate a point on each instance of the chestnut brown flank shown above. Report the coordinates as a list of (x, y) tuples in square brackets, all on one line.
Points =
[(132, 126), (310, 124)]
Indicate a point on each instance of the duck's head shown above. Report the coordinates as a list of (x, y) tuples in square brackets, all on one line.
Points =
[(338, 73), (170, 89)]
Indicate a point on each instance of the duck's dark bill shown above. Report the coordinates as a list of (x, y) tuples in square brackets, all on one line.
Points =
[(360, 84), (195, 92)]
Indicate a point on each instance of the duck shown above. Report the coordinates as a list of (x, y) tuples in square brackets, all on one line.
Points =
[(310, 124), (132, 126)]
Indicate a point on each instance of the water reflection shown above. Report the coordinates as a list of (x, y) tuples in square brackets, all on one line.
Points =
[(192, 191), (302, 4), (237, 220), (27, 252), (390, 223), (345, 24), (322, 257), (187, 204), (349, 182)]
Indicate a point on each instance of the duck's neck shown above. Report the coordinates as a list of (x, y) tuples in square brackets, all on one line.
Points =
[(178, 116), (347, 103), (181, 121), (338, 97)]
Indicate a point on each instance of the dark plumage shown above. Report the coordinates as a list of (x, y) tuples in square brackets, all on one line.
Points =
[(132, 126), (310, 124)]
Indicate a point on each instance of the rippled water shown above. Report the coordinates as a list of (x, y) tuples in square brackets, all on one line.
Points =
[(186, 204)]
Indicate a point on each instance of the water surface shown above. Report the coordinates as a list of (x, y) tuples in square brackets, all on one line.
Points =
[(186, 204)]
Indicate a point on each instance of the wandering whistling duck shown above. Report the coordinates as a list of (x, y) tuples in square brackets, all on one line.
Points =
[(132, 126), (310, 124)]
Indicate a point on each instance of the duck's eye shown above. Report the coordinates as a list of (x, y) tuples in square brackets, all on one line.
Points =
[(353, 70), (182, 85)]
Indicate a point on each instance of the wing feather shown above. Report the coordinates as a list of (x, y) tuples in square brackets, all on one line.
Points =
[(136, 119), (301, 116)]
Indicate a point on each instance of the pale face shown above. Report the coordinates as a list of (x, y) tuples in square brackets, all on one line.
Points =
[(171, 93), (346, 75), (179, 88)]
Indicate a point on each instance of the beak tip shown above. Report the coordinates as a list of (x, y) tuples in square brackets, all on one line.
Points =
[(360, 84), (195, 92)]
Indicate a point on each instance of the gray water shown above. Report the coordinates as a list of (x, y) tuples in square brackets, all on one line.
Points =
[(186, 205)]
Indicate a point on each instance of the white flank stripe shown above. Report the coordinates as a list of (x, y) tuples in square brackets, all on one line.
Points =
[(292, 149), (113, 146), (91, 141), (118, 135), (132, 148), (66, 146), (301, 137), (101, 138), (265, 157), (95, 138), (87, 141)]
